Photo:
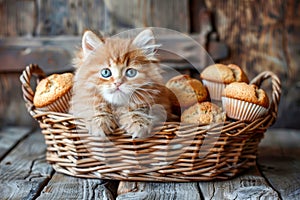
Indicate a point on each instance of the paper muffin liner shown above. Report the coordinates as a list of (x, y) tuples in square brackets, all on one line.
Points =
[(242, 110), (62, 104), (215, 89)]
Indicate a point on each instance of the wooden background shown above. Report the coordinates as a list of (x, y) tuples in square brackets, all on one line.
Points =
[(256, 35)]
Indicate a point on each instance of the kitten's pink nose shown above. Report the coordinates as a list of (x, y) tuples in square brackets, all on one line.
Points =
[(117, 84)]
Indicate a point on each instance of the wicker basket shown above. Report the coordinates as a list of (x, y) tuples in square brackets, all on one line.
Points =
[(177, 152)]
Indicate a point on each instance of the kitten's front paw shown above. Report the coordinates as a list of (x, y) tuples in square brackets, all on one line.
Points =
[(140, 130), (140, 122), (102, 126), (137, 127)]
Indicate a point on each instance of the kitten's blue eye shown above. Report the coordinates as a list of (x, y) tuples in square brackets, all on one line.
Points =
[(105, 73), (131, 72)]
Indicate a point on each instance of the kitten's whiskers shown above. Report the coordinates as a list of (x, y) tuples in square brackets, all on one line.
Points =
[(141, 94)]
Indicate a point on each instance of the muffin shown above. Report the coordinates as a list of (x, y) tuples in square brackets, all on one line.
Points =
[(53, 93), (203, 113), (216, 77), (242, 101), (187, 90)]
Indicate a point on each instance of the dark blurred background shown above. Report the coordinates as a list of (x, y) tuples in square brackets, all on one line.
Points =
[(256, 35)]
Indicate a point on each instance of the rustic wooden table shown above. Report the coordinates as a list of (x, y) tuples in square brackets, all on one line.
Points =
[(25, 174)]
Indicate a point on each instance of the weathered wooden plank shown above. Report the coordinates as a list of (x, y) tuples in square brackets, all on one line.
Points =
[(26, 17), (153, 191), (55, 54), (51, 58), (155, 13), (291, 43), (24, 171), (66, 187), (279, 161), (11, 18), (10, 136), (46, 17), (199, 16), (163, 14), (290, 37), (3, 18), (250, 185), (70, 17), (17, 17), (52, 17), (97, 17), (12, 105)]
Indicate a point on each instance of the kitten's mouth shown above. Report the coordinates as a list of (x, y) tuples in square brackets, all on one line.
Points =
[(118, 90)]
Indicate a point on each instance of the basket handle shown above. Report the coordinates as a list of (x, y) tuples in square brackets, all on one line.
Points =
[(28, 72), (276, 89)]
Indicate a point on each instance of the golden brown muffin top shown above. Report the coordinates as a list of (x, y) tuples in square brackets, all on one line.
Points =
[(246, 92), (51, 88), (224, 74), (187, 90), (204, 112)]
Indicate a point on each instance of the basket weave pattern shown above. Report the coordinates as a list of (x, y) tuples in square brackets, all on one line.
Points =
[(177, 152)]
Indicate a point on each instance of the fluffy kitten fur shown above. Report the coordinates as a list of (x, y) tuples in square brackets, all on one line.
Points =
[(118, 83)]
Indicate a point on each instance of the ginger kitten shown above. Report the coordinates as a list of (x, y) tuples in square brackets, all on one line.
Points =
[(118, 83)]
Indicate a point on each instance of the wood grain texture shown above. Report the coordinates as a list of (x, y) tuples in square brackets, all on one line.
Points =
[(52, 17), (24, 171), (154, 191), (291, 43), (279, 161), (9, 137), (66, 187), (264, 36), (17, 18), (55, 54), (198, 13), (26, 17), (70, 17), (250, 185), (155, 13), (163, 14), (254, 33), (11, 18), (12, 105), (3, 18)]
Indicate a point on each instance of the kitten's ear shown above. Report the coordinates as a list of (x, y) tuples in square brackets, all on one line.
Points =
[(90, 41), (145, 40)]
